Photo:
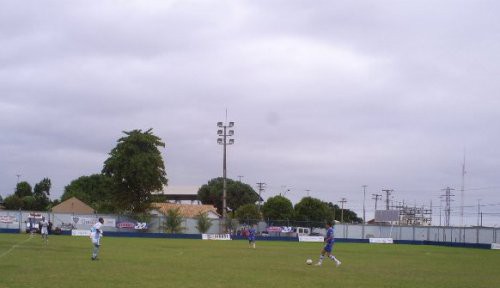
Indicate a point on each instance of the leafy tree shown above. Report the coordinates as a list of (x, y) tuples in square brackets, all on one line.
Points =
[(203, 222), (313, 210), (237, 194), (29, 203), (277, 208), (54, 203), (42, 188), (137, 169), (13, 202), (349, 215), (1, 199), (23, 189), (41, 194), (173, 223), (248, 213), (96, 190)]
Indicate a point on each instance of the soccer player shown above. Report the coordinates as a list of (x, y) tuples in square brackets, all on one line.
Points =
[(251, 237), (327, 249), (95, 236), (44, 230)]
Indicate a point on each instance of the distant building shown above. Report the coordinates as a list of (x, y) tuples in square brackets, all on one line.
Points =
[(73, 205), (179, 194)]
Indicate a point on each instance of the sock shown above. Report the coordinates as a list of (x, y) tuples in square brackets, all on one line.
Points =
[(96, 251), (334, 259), (321, 258)]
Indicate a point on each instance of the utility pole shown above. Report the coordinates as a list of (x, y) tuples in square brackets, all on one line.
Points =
[(447, 208), (364, 199), (462, 189), (262, 187), (225, 139), (18, 176), (388, 194), (376, 197), (239, 178), (479, 212), (342, 209)]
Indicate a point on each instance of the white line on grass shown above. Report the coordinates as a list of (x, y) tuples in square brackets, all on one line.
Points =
[(15, 246)]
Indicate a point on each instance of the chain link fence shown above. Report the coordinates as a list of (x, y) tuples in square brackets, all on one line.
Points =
[(25, 220)]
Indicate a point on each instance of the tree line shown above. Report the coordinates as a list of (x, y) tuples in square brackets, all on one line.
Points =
[(135, 170)]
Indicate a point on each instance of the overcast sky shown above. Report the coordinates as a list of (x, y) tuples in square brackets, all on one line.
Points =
[(326, 96)]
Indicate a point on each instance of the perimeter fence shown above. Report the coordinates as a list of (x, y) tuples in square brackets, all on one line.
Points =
[(22, 221)]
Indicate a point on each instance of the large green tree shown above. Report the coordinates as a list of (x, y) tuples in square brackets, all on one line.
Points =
[(349, 215), (95, 190), (277, 208), (248, 213), (137, 169), (23, 189), (314, 211), (13, 202), (41, 193), (26, 198), (237, 194)]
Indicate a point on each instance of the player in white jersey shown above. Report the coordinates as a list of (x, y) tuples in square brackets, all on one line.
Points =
[(44, 229), (95, 236)]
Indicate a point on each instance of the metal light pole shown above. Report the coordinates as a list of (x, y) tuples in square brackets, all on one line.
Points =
[(224, 139), (364, 214), (364, 198), (342, 210)]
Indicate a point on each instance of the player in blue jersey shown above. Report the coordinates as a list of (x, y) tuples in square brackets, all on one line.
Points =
[(327, 249), (95, 236), (251, 236)]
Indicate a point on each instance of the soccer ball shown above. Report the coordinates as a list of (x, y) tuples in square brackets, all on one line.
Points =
[(309, 261)]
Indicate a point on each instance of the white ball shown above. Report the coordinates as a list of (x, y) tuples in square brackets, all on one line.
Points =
[(309, 261)]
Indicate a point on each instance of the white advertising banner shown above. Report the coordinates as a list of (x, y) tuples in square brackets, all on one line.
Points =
[(381, 240), (216, 237), (495, 246), (311, 239), (8, 219), (76, 232), (88, 221)]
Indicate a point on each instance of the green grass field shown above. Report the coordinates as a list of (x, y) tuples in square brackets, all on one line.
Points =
[(141, 262)]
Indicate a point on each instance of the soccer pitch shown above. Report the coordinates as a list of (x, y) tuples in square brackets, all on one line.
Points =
[(143, 262)]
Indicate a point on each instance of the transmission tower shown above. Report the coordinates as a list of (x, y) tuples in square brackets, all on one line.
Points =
[(447, 198), (388, 193)]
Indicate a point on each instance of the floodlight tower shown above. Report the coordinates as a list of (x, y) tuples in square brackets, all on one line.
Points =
[(224, 139)]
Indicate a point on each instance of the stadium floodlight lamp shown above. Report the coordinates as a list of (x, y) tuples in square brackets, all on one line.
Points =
[(231, 141), (231, 124), (231, 132), (220, 132), (219, 140), (219, 124)]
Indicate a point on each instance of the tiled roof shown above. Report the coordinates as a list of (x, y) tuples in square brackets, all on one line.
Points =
[(186, 210), (73, 205)]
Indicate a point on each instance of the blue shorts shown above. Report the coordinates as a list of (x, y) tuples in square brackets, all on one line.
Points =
[(328, 247)]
